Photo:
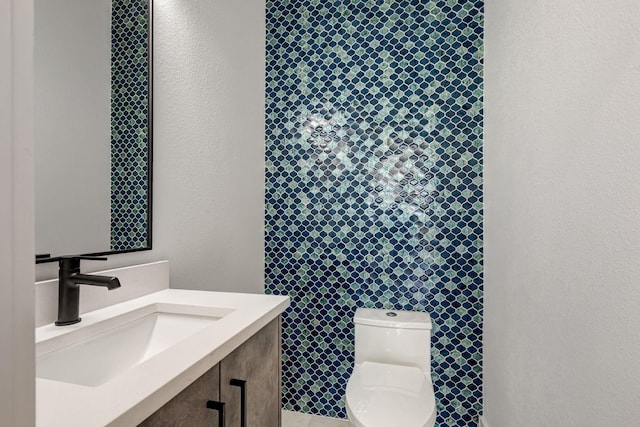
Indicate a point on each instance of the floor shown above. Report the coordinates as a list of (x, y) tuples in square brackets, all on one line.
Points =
[(297, 419)]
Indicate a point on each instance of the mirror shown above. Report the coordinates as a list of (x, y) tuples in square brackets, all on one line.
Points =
[(92, 126)]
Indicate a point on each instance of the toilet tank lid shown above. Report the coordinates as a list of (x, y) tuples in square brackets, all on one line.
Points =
[(392, 318)]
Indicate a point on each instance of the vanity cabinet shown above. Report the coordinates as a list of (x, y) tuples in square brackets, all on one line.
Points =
[(256, 361), (247, 382), (189, 407)]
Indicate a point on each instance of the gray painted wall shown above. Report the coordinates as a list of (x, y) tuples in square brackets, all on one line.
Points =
[(17, 386), (562, 197), (209, 142)]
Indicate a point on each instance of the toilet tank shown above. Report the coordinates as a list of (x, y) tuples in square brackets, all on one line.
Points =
[(393, 336)]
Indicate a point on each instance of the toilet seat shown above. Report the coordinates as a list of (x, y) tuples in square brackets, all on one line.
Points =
[(384, 395)]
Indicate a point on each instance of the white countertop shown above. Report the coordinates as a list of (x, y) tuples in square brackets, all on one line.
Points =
[(134, 395)]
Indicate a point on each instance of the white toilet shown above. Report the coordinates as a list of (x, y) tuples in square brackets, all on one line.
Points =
[(391, 382)]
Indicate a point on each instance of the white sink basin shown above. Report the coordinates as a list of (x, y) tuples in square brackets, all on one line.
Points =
[(95, 354), (124, 361)]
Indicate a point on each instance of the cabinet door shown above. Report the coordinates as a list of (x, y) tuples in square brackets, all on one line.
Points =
[(189, 407), (257, 363)]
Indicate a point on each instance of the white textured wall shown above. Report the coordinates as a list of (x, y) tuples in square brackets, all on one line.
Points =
[(208, 188), (562, 231), (209, 142)]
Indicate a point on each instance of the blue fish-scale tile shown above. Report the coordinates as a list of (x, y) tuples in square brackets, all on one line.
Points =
[(374, 186), (129, 124)]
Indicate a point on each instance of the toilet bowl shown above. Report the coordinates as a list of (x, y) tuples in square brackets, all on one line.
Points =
[(390, 385)]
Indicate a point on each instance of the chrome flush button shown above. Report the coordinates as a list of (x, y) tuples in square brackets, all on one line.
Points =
[(391, 314)]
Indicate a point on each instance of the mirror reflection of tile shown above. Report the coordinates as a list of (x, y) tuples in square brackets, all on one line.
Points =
[(129, 124)]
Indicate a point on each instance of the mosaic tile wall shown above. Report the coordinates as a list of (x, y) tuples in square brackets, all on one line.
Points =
[(374, 186), (129, 123)]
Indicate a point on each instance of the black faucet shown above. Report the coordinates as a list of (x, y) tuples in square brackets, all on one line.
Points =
[(69, 281)]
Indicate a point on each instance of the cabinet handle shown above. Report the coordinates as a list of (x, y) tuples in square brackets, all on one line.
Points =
[(243, 399), (217, 406)]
